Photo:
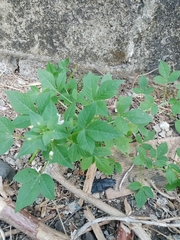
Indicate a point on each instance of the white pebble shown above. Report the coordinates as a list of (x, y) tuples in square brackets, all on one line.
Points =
[(164, 126)]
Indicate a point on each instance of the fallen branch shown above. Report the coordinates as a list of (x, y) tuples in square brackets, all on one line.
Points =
[(27, 223), (123, 219), (55, 173)]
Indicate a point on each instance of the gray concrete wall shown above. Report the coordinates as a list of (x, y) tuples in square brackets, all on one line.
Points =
[(127, 37)]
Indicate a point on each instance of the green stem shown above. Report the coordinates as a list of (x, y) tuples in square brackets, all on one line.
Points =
[(33, 156)]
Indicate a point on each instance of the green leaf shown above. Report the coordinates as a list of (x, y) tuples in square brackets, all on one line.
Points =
[(86, 163), (139, 160), (36, 119), (174, 76), (154, 109), (106, 77), (118, 167), (27, 194), (64, 64), (46, 185), (70, 112), (61, 80), (121, 124), (73, 152), (51, 68), (31, 145), (101, 131), (178, 152), (90, 85), (101, 108), (26, 175), (42, 101), (104, 165), (161, 161), (22, 121), (47, 80), (21, 103), (137, 116), (160, 80), (140, 198), (60, 156), (50, 111), (148, 191), (164, 69), (86, 115), (123, 104), (108, 89), (162, 149), (101, 152), (85, 142), (173, 185), (171, 175), (135, 186), (175, 167), (143, 82), (6, 141), (123, 144), (148, 163), (177, 125), (6, 125), (175, 107)]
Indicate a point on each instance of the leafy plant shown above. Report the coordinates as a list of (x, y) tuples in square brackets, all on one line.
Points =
[(65, 123)]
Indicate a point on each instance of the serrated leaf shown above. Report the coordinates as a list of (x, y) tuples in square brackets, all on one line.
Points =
[(26, 175), (70, 112), (36, 119), (90, 85), (42, 101), (122, 144), (108, 89), (164, 69), (106, 77), (6, 141), (85, 142), (123, 104), (60, 156), (61, 80), (101, 108), (171, 175), (143, 82), (138, 116), (174, 76), (104, 165), (6, 125), (86, 163), (135, 186), (22, 121), (121, 124), (140, 198), (51, 68), (177, 125), (160, 80), (27, 194), (148, 191), (73, 152), (46, 185), (101, 131), (50, 111), (21, 103), (162, 149), (118, 167), (47, 80), (86, 115), (31, 146), (101, 152)]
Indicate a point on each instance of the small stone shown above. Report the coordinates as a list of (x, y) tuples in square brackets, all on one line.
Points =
[(162, 134), (10, 161), (157, 128), (6, 171), (164, 126)]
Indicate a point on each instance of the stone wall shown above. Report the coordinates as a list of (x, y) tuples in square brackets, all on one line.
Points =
[(126, 37)]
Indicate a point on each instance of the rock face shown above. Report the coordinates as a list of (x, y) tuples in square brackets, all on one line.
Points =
[(125, 36)]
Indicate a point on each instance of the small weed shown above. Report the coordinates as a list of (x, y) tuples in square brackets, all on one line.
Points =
[(83, 130)]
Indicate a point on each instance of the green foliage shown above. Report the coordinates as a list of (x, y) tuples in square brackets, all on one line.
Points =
[(83, 130)]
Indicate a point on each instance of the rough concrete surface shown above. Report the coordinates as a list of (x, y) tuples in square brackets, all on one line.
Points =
[(122, 36)]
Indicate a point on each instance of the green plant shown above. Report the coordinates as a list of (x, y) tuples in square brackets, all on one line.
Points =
[(65, 124)]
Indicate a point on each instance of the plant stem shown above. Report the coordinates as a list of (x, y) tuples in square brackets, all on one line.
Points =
[(33, 156)]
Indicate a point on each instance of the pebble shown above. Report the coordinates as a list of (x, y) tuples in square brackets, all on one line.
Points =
[(6, 171), (164, 126)]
